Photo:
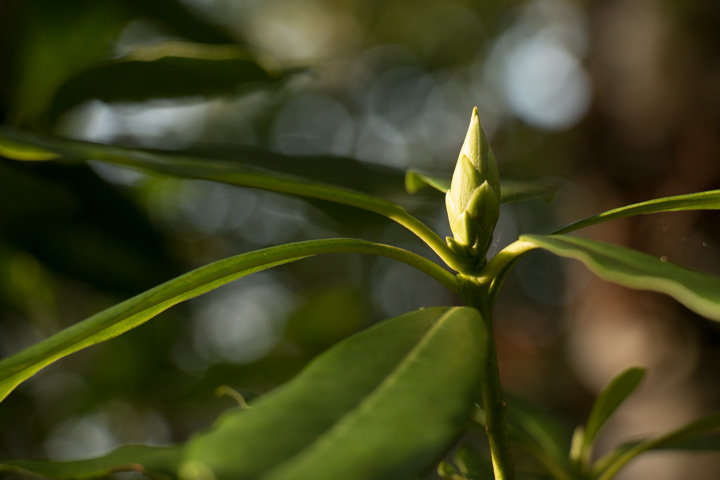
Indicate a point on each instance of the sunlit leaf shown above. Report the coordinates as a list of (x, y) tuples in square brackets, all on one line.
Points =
[(152, 462), (709, 200), (383, 404), (696, 290), (511, 191), (25, 151), (133, 312), (416, 181), (608, 466)]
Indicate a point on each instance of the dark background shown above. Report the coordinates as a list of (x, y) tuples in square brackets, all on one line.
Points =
[(614, 101)]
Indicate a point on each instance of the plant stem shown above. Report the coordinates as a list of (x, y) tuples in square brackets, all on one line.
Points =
[(494, 273), (475, 295)]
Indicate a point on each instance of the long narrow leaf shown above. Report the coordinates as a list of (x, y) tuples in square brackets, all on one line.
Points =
[(696, 290), (133, 312), (709, 200), (26, 146), (383, 404), (612, 396), (21, 145), (609, 465)]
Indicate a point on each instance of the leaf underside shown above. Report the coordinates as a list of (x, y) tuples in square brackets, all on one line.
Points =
[(698, 291)]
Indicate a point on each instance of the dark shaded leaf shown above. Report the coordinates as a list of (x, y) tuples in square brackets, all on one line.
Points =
[(164, 77), (153, 462)]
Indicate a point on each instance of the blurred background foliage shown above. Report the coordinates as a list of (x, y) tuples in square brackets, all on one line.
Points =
[(615, 101)]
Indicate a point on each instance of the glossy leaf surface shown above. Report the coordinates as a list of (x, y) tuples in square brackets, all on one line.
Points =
[(133, 312), (696, 290), (383, 404)]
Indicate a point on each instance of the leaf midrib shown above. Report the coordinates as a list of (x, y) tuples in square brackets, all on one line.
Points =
[(367, 401)]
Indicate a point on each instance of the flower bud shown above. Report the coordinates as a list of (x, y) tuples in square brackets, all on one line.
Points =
[(473, 201)]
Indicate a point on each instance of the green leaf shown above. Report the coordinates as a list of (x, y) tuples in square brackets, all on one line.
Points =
[(383, 404), (696, 290), (610, 464), (167, 70), (537, 433), (416, 181), (612, 396), (133, 312), (25, 151), (152, 462), (541, 435), (515, 191), (510, 190), (709, 200), (234, 174), (472, 464)]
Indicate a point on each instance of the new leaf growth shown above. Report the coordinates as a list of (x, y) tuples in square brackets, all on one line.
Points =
[(473, 201)]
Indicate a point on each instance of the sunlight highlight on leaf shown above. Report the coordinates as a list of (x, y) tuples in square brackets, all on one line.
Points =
[(696, 290)]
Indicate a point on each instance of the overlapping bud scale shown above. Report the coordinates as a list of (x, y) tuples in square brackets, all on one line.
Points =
[(473, 201)]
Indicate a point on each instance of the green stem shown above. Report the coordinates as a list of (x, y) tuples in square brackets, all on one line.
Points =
[(494, 273), (234, 174), (475, 295)]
